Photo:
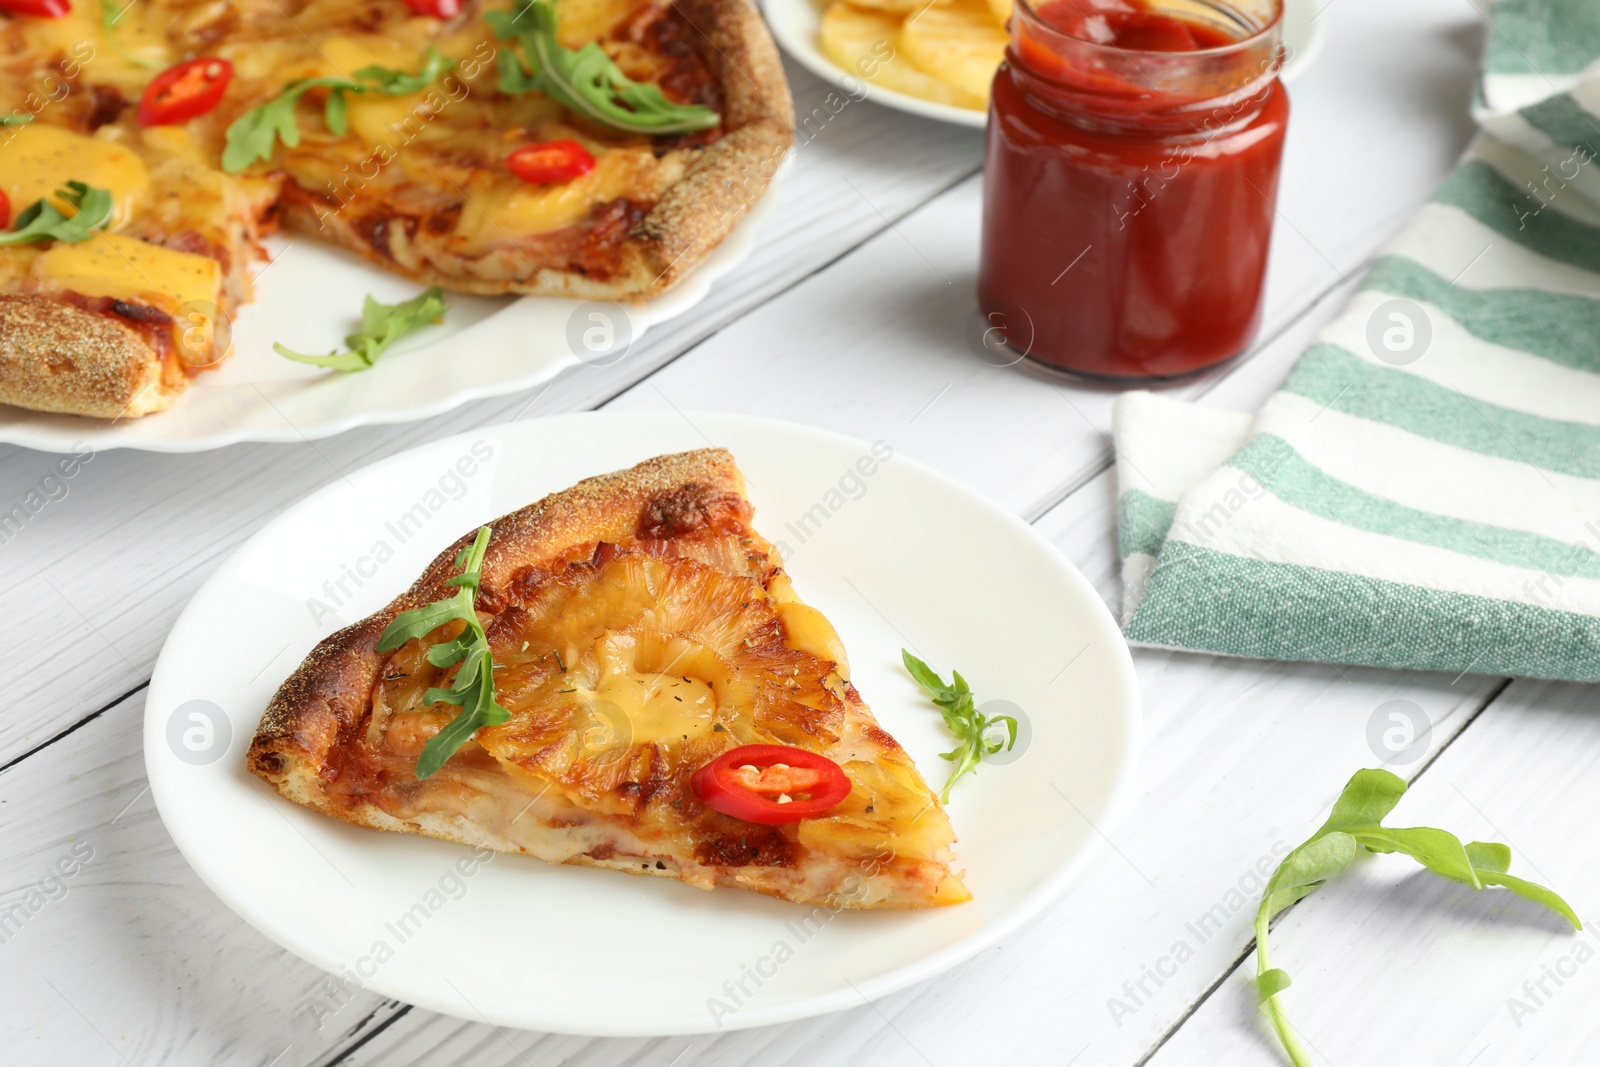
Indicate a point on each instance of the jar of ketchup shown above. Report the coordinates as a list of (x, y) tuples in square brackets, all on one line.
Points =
[(1130, 179)]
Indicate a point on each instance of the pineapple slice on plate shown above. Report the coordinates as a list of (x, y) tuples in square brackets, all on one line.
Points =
[(863, 43), (956, 41), (895, 7)]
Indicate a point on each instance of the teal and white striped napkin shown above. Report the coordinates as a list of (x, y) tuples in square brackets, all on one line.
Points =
[(1424, 489)]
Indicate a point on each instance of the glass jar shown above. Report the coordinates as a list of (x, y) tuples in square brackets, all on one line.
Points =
[(1130, 183)]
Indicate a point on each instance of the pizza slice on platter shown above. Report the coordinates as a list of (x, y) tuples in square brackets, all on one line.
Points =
[(114, 319), (620, 675)]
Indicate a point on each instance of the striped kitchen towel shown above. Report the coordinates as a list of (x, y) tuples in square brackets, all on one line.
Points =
[(1424, 489)]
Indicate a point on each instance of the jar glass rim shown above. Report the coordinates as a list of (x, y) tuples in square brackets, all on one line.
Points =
[(1273, 25)]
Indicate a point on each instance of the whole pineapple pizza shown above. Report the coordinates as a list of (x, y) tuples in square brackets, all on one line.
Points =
[(591, 148)]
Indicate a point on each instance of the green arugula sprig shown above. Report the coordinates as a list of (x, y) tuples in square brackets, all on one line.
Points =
[(255, 134), (43, 221), (586, 81), (110, 13), (472, 689), (962, 718), (16, 118), (1357, 823), (381, 326)]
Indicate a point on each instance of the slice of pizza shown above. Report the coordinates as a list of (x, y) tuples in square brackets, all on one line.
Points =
[(115, 319), (620, 675)]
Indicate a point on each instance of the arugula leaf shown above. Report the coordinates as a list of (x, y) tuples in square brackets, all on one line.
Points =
[(110, 14), (1489, 856), (336, 113), (43, 221), (1531, 891), (1366, 800), (472, 688), (392, 82), (586, 81), (1491, 860), (1440, 852), (1357, 823), (16, 119), (1306, 868), (1271, 983), (381, 326), (962, 718), (254, 135)]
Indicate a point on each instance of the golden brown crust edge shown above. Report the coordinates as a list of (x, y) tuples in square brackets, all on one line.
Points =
[(62, 359), (727, 179), (697, 212), (329, 692)]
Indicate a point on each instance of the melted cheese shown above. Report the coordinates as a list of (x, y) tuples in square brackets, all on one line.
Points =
[(806, 629), (348, 53), (388, 120), (141, 32), (127, 269), (15, 262), (659, 707), (809, 631), (42, 159), (581, 21), (177, 142), (507, 205)]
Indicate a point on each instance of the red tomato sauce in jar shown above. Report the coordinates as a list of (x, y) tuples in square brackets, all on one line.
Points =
[(1130, 181)]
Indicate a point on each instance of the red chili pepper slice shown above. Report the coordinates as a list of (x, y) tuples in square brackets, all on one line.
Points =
[(751, 783), (185, 91), (550, 161), (436, 9), (45, 9)]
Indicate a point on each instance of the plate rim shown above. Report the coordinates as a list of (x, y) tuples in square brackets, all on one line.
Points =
[(1026, 910)]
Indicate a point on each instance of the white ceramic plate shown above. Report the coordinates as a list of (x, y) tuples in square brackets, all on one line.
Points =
[(309, 296), (795, 24), (903, 556)]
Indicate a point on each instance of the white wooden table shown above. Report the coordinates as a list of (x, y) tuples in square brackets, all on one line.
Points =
[(851, 316)]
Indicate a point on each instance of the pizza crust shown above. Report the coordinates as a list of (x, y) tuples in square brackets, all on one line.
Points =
[(719, 189), (58, 358)]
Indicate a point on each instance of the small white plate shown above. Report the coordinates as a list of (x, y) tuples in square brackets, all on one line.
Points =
[(795, 24), (309, 296), (903, 556)]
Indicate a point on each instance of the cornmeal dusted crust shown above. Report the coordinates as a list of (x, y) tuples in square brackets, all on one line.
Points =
[(331, 690), (54, 357), (725, 181)]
